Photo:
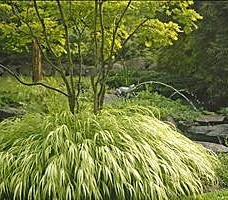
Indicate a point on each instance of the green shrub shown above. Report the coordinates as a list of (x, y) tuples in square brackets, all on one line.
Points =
[(224, 111), (223, 170), (161, 106), (38, 98), (31, 97), (117, 154)]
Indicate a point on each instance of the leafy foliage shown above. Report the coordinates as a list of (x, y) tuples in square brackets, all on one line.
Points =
[(99, 30), (79, 15), (116, 154), (38, 99), (223, 172), (203, 55), (218, 195), (161, 106)]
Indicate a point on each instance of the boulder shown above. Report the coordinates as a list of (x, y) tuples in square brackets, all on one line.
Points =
[(8, 112), (137, 63), (109, 98), (117, 67), (220, 130), (86, 70), (216, 133), (210, 119), (169, 120), (217, 148)]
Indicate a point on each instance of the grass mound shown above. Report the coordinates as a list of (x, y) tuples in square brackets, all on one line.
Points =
[(114, 155)]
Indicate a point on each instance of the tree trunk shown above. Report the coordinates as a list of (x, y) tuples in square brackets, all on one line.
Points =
[(72, 101), (36, 63)]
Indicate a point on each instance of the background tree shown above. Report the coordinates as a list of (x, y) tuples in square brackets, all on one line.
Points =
[(64, 30), (202, 56)]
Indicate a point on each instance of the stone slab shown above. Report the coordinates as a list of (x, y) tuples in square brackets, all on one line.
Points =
[(210, 119), (214, 147)]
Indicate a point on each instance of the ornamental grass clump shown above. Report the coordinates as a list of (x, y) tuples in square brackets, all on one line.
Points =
[(113, 155)]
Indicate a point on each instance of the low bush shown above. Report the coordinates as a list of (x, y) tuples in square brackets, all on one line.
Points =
[(37, 98), (223, 170), (161, 106), (117, 154)]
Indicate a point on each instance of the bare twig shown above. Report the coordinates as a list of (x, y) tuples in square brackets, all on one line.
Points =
[(92, 78), (44, 29), (101, 75), (115, 29), (68, 47), (59, 69), (32, 84), (130, 36)]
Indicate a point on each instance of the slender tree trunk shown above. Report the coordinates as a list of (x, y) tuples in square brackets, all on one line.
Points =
[(72, 101), (93, 80), (36, 63), (101, 77)]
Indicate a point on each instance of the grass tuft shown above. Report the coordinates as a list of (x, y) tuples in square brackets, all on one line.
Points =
[(117, 154)]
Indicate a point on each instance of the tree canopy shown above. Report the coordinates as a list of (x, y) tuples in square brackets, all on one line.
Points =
[(202, 55), (94, 32)]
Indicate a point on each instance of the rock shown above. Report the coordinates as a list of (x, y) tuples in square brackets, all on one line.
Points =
[(1, 72), (137, 63), (216, 130), (117, 67), (186, 124), (216, 133), (214, 147), (8, 112), (110, 98), (169, 120), (210, 119)]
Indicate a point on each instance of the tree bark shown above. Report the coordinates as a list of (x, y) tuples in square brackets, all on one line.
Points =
[(36, 63)]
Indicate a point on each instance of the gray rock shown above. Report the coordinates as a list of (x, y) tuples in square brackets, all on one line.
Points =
[(210, 119), (215, 134), (214, 147), (169, 120), (8, 112), (216, 130), (117, 67), (109, 98), (137, 63)]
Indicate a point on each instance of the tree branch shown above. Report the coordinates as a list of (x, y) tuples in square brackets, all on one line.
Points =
[(92, 77), (32, 84), (32, 34), (68, 47), (60, 70), (116, 26), (134, 31), (130, 36), (44, 29)]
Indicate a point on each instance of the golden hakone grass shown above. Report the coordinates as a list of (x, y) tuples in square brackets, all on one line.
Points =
[(117, 154)]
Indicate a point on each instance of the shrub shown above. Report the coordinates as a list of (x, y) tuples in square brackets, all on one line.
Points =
[(37, 98), (161, 106), (223, 170), (117, 154)]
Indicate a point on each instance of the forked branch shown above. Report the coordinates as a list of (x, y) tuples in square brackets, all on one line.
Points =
[(32, 84)]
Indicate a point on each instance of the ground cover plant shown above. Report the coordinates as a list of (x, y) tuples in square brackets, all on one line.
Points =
[(222, 191), (121, 154), (223, 170), (35, 99), (161, 106), (33, 124), (73, 146)]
